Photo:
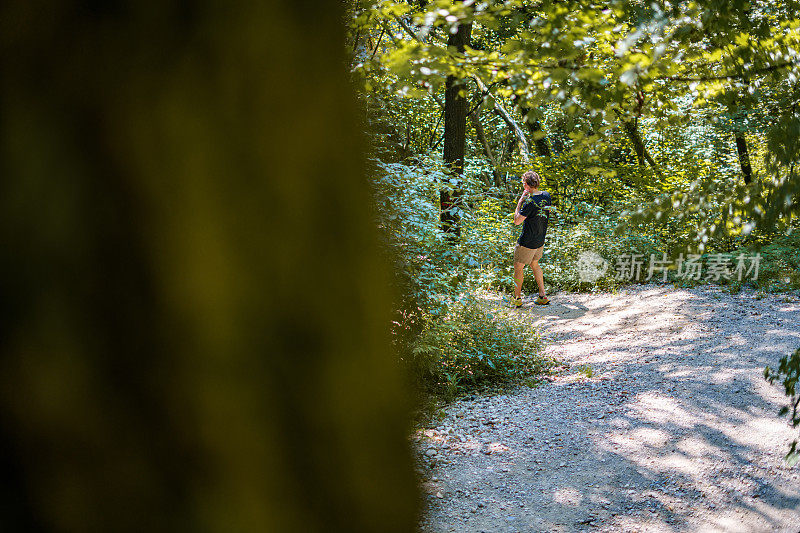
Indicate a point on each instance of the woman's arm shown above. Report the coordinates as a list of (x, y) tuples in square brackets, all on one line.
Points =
[(518, 218)]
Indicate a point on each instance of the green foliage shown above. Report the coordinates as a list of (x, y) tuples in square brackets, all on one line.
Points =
[(591, 229), (428, 268), (789, 372), (638, 106), (450, 340), (780, 264), (471, 346)]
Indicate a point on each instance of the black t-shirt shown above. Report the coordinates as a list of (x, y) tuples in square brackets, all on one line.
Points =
[(535, 225)]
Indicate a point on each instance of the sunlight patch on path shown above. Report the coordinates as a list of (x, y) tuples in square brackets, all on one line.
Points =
[(676, 430)]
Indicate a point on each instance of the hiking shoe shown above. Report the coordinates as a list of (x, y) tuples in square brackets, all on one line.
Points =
[(542, 300), (516, 302)]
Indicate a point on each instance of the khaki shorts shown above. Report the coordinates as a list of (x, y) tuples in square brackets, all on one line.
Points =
[(527, 255)]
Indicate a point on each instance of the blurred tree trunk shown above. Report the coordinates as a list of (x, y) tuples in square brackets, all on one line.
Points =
[(167, 362), (455, 137)]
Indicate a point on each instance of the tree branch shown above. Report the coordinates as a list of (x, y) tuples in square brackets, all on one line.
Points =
[(380, 38), (413, 34), (498, 107), (512, 124), (731, 76)]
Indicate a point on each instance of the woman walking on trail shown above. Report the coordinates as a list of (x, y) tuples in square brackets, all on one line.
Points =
[(533, 216)]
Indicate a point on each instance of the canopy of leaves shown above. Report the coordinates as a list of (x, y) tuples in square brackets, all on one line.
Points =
[(725, 66)]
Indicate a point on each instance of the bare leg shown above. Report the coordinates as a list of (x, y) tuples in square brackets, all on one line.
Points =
[(518, 277), (539, 276)]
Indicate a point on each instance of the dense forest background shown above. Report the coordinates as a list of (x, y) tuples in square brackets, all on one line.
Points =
[(669, 130)]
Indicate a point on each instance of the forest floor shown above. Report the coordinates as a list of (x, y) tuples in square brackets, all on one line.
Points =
[(673, 429)]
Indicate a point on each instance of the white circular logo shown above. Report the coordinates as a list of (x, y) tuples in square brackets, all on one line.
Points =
[(591, 266)]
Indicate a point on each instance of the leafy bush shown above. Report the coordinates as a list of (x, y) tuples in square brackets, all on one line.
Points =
[(470, 346), (449, 339), (593, 231), (789, 373), (780, 264)]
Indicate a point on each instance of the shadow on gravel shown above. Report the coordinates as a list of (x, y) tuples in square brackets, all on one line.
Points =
[(677, 430), (690, 421)]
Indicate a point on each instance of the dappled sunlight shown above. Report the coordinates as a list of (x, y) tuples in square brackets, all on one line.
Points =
[(496, 447), (459, 444), (658, 408), (783, 333), (686, 373), (697, 446), (730, 522), (756, 430), (670, 427), (568, 496), (725, 376)]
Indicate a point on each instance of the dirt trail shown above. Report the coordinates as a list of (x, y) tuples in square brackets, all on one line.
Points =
[(675, 430)]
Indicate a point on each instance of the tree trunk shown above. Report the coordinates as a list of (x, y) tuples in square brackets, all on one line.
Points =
[(455, 136), (638, 146), (744, 157), (501, 111), (487, 149), (642, 154), (167, 360), (534, 127)]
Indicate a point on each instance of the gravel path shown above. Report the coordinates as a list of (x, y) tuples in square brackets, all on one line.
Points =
[(675, 430)]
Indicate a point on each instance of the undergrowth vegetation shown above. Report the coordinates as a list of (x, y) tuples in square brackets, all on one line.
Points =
[(452, 340), (471, 345), (668, 139)]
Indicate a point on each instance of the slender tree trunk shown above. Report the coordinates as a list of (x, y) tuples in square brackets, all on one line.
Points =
[(741, 147), (487, 149), (744, 157), (633, 134), (455, 136), (535, 127), (642, 155)]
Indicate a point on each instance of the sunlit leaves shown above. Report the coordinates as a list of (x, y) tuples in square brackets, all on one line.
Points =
[(674, 67)]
